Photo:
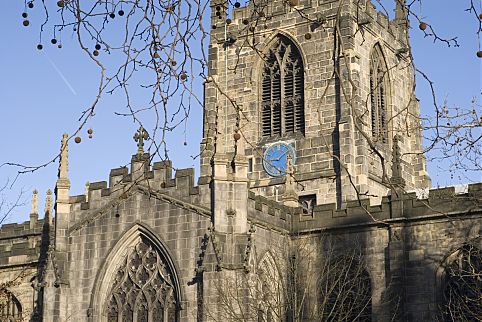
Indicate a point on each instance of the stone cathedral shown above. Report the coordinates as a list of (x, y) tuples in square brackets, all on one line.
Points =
[(313, 201)]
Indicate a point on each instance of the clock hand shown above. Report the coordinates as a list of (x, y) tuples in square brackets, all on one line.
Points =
[(283, 155)]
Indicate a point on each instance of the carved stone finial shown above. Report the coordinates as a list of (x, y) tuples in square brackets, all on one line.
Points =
[(87, 186), (400, 10), (397, 178), (48, 202), (401, 19), (139, 137), (64, 158), (34, 202)]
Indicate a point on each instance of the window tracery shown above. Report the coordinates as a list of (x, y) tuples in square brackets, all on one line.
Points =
[(283, 90), (10, 308), (463, 285), (378, 92), (143, 289), (346, 293)]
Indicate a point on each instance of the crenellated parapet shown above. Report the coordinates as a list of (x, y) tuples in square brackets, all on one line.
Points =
[(20, 243), (260, 18), (268, 213), (103, 197), (158, 177), (436, 204), (21, 230)]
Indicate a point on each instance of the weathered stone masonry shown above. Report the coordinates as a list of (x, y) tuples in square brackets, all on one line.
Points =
[(150, 245)]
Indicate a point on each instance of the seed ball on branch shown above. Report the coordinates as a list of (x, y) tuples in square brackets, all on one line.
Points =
[(213, 27), (121, 12), (307, 36), (422, 26), (24, 15), (59, 46), (97, 46), (173, 62), (30, 5), (183, 76), (480, 16), (237, 136), (40, 47), (95, 53), (479, 54), (237, 4), (77, 139), (112, 15), (53, 41), (90, 131), (61, 3), (228, 21), (245, 21), (26, 22)]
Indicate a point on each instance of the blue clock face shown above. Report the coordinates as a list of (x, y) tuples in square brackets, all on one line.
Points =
[(276, 158)]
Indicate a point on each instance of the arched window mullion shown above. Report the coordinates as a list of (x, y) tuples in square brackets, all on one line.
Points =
[(298, 93), (11, 310), (373, 103), (277, 98), (378, 92)]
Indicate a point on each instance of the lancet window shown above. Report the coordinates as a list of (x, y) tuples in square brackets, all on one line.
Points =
[(282, 89), (10, 308), (378, 95), (143, 289)]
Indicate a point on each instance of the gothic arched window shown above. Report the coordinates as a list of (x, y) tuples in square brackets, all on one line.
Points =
[(282, 98), (463, 285), (378, 95), (346, 293), (144, 288), (10, 308), (270, 288)]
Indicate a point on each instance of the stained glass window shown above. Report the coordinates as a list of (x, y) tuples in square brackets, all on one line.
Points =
[(143, 289)]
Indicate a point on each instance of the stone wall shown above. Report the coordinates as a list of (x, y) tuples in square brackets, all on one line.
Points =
[(232, 97), (20, 251)]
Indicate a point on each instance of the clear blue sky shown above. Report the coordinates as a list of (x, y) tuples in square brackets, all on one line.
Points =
[(43, 92)]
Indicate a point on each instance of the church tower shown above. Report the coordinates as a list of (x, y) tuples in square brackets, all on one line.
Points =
[(317, 95)]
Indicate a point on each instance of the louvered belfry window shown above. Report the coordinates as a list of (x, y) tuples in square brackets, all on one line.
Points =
[(378, 92), (283, 92)]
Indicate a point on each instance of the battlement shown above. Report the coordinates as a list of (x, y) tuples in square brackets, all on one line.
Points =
[(158, 177), (21, 230), (441, 203), (269, 213), (248, 19), (20, 243)]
